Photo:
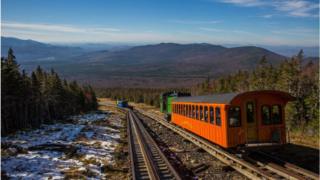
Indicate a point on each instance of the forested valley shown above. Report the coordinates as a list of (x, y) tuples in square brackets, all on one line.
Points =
[(292, 76), (40, 98)]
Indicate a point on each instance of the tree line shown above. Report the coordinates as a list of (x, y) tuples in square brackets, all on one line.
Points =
[(294, 76), (42, 97), (150, 96)]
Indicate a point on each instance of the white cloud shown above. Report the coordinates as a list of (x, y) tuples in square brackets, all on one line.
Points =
[(55, 28), (210, 29), (68, 33), (295, 8), (247, 3), (297, 32), (267, 16), (73, 34), (195, 21), (301, 8)]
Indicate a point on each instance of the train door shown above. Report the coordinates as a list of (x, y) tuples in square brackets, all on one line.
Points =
[(251, 118)]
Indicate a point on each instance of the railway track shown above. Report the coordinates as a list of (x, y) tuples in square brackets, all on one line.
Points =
[(251, 168), (147, 160), (285, 168)]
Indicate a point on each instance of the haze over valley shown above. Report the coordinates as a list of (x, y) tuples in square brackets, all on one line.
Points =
[(152, 65)]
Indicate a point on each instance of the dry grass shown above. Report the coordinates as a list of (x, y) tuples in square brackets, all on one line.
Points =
[(300, 139), (76, 173), (120, 168)]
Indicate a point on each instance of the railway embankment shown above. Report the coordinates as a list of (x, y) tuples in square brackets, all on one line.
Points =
[(294, 155), (120, 168), (191, 161)]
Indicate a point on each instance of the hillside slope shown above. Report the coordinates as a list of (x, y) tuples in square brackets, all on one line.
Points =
[(29, 50), (157, 65), (166, 64)]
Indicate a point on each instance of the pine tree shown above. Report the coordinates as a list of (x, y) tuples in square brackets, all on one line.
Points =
[(41, 98)]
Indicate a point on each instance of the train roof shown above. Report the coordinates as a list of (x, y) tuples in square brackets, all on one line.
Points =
[(216, 98), (226, 98)]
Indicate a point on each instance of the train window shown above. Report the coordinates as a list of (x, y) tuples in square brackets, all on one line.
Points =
[(250, 112), (276, 115), (218, 116), (234, 117), (181, 109), (206, 113), (211, 115), (197, 112), (265, 112), (187, 110), (201, 113), (192, 111)]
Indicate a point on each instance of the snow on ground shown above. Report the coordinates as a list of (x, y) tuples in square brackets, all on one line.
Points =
[(57, 133), (58, 151), (89, 117)]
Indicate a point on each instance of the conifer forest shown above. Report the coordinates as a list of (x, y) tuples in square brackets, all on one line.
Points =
[(29, 100)]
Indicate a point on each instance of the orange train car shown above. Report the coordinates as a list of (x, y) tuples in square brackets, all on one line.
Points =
[(234, 119)]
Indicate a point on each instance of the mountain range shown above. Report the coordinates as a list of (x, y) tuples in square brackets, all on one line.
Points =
[(157, 65), (29, 50)]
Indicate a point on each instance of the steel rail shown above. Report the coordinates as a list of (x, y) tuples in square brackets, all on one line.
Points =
[(252, 171), (154, 161), (152, 172), (288, 167)]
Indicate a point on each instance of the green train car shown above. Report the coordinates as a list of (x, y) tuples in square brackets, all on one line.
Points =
[(166, 101)]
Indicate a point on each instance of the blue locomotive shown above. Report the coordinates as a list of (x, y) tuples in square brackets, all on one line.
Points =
[(122, 103)]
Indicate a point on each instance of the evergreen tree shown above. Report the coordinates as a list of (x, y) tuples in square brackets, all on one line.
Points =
[(41, 98)]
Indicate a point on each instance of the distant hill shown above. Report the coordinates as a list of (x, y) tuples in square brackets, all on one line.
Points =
[(166, 64), (157, 65), (169, 59), (29, 50)]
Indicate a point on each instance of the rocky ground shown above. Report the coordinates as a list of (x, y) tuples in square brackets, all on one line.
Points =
[(89, 146), (301, 156), (191, 162)]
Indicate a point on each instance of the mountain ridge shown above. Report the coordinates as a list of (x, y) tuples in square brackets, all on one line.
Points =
[(30, 50), (158, 65)]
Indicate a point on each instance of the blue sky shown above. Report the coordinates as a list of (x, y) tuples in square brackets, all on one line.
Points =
[(243, 22)]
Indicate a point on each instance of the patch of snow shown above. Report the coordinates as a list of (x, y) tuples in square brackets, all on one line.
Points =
[(57, 133), (90, 117), (97, 146)]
